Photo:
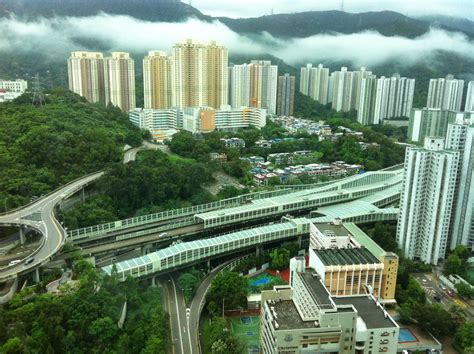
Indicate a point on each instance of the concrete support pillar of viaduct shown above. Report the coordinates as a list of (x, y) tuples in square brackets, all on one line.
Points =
[(208, 264), (145, 249), (22, 235), (36, 276), (299, 240), (153, 281), (259, 250), (83, 195)]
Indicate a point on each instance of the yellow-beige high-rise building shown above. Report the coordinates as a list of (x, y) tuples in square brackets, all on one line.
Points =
[(217, 69), (86, 75), (120, 79), (157, 80), (199, 75)]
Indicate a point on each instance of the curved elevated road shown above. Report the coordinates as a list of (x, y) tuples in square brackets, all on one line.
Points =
[(39, 216)]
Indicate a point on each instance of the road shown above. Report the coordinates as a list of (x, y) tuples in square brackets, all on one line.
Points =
[(431, 287), (179, 325), (198, 302), (39, 215)]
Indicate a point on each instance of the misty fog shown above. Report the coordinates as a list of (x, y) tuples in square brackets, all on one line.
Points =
[(57, 37)]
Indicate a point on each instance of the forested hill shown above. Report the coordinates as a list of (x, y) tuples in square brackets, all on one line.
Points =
[(301, 24), (309, 23), (43, 148), (149, 10)]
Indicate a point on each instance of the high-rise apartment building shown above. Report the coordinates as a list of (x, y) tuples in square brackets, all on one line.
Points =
[(367, 97), (285, 95), (314, 82), (427, 200), (263, 85), (469, 107), (119, 73), (356, 86), (157, 80), (445, 93), (342, 88), (460, 137), (384, 98), (199, 75), (425, 122), (217, 73), (86, 76), (239, 85)]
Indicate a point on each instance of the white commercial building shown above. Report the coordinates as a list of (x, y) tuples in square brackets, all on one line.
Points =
[(163, 123), (445, 93), (427, 200), (17, 85), (305, 318)]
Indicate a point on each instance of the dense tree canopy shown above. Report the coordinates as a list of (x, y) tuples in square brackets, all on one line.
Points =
[(153, 183), (229, 290), (84, 319), (42, 148)]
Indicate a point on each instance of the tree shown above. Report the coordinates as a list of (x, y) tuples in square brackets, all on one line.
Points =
[(280, 258), (454, 265), (434, 319), (465, 291), (229, 290), (464, 339), (12, 346), (189, 282)]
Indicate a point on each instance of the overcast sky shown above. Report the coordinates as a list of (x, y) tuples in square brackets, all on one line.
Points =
[(253, 8)]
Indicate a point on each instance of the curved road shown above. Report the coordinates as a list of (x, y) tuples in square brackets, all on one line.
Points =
[(39, 215)]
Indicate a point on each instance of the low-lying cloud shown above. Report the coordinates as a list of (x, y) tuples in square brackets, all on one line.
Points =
[(57, 37)]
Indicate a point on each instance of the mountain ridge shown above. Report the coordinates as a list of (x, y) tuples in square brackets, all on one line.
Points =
[(295, 25)]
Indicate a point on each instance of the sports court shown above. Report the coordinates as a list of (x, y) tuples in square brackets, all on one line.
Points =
[(247, 329)]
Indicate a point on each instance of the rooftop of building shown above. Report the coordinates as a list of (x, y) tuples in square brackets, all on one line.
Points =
[(288, 316), (332, 229), (368, 310), (317, 290), (346, 256)]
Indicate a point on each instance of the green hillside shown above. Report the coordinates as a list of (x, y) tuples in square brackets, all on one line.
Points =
[(43, 148)]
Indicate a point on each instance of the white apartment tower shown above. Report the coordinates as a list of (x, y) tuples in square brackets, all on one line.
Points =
[(119, 73), (157, 80), (445, 93), (263, 85), (342, 89), (460, 137), (427, 200), (239, 85), (314, 82), (365, 113), (469, 107), (86, 76)]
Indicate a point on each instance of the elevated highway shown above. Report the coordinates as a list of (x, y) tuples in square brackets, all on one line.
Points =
[(39, 216)]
